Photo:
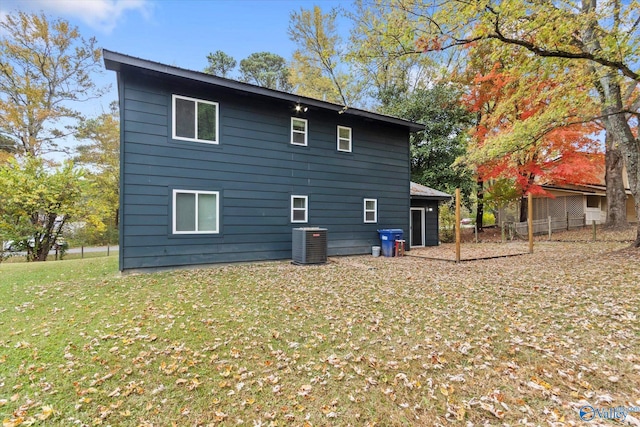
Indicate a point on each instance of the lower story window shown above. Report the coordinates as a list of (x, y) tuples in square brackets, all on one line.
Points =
[(370, 210), (195, 212), (299, 208), (593, 201)]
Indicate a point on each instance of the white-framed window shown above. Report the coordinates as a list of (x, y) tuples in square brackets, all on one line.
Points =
[(298, 131), (344, 139), (194, 120), (370, 210), (299, 208), (196, 212)]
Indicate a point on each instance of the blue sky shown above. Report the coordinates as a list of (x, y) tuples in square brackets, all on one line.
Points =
[(176, 32)]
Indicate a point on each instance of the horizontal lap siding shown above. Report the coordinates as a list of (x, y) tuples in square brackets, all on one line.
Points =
[(255, 169)]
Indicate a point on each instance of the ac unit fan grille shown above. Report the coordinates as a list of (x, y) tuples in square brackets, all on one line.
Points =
[(309, 245)]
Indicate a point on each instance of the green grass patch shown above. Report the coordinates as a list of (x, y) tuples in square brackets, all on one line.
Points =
[(361, 340)]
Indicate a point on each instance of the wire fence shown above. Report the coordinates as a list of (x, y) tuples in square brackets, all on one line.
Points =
[(549, 225)]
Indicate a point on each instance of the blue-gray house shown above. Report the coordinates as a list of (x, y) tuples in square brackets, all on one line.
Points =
[(214, 170)]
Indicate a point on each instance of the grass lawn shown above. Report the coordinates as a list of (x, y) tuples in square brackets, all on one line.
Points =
[(359, 341)]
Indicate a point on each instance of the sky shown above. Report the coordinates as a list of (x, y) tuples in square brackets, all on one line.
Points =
[(175, 32)]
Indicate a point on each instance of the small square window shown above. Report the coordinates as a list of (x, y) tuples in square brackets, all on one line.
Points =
[(299, 208), (370, 210), (195, 212), (298, 131), (344, 139), (195, 120), (593, 201)]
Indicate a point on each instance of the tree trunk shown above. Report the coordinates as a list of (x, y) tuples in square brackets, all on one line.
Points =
[(480, 209), (616, 195), (617, 126), (615, 120), (524, 208)]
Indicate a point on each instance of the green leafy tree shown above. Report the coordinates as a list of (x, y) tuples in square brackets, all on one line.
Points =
[(101, 157), (40, 203), (382, 51), (220, 64), (444, 138), (265, 69), (45, 67), (8, 148), (318, 65)]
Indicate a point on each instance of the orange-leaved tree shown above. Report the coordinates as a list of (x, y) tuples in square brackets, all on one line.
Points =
[(527, 133)]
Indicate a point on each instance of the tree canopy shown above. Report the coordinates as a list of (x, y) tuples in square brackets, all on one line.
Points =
[(100, 155), (265, 69), (318, 65), (45, 68), (41, 201), (220, 64), (435, 149), (595, 43)]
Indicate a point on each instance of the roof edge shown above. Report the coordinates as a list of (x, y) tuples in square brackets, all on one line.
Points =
[(113, 61)]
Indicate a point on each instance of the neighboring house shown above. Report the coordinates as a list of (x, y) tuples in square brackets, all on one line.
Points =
[(424, 227), (214, 170), (588, 200), (581, 203)]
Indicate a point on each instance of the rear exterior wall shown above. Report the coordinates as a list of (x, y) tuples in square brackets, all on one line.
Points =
[(255, 170)]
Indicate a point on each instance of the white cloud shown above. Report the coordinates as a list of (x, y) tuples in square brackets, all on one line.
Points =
[(101, 15)]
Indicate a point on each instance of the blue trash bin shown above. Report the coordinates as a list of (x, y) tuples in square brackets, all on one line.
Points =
[(388, 237)]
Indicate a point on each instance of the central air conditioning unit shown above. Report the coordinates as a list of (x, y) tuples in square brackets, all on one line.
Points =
[(309, 245)]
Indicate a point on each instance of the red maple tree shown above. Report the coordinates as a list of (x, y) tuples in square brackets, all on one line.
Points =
[(560, 154)]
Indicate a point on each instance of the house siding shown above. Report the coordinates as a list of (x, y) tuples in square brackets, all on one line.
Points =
[(255, 169)]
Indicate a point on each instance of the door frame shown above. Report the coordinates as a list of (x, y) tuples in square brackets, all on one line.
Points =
[(422, 226), (591, 214)]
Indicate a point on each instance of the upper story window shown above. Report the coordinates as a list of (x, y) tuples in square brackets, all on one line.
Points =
[(195, 212), (370, 210), (299, 208), (298, 131), (344, 138), (195, 120)]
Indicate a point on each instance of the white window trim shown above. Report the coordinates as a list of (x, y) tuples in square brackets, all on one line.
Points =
[(343, 139), (196, 192), (173, 119), (306, 131), (375, 211), (306, 208)]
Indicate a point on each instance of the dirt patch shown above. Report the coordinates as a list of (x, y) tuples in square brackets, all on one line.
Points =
[(471, 251)]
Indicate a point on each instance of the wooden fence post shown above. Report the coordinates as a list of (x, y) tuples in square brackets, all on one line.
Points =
[(504, 237), (549, 227), (530, 220), (457, 225), (594, 229), (567, 221)]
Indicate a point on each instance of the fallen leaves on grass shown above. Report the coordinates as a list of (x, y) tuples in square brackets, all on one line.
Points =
[(370, 341)]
